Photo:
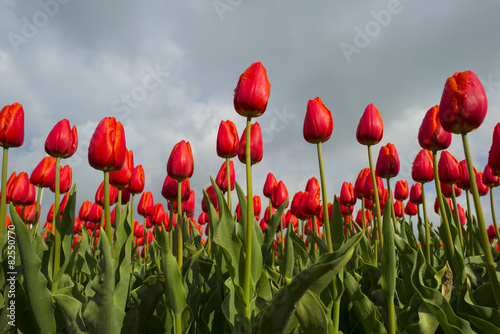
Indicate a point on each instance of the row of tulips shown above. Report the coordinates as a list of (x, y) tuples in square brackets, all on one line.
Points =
[(306, 265)]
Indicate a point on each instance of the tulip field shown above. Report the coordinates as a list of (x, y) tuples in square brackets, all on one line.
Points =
[(368, 260)]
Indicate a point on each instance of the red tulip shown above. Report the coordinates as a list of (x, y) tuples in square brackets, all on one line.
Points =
[(44, 173), (252, 92), (227, 140), (85, 210), (203, 218), (491, 233), (31, 194), (481, 187), (263, 224), (10, 182), (95, 214), (267, 214), (370, 128), (158, 216), (256, 146), (62, 141), (368, 190), (359, 185), (189, 205), (461, 214), (138, 230), (279, 195), (489, 179), (180, 164), (107, 148), (65, 179), (387, 162), (269, 185), (257, 206), (296, 206), (121, 178), (290, 219), (19, 189), (27, 213), (169, 190), (446, 190), (12, 126), (398, 210), (330, 213), (422, 170), (99, 195), (347, 196), (311, 203), (411, 209), (401, 190), (449, 169), (431, 134), (464, 183), (436, 204), (359, 217), (494, 154), (137, 181), (213, 198), (318, 123), (146, 205), (463, 104), (312, 184), (221, 179), (416, 193)]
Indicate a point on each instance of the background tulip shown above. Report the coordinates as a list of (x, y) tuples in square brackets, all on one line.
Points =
[(256, 148), (62, 140), (44, 173), (169, 189), (416, 193), (65, 180), (180, 164), (221, 178), (146, 204), (347, 196), (137, 181), (422, 170), (431, 134), (401, 190), (387, 162), (494, 153), (12, 126), (227, 140), (279, 195), (107, 148), (252, 91), (269, 185), (121, 178), (370, 128), (449, 170), (318, 122)]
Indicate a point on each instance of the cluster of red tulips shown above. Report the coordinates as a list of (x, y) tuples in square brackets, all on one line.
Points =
[(323, 227)]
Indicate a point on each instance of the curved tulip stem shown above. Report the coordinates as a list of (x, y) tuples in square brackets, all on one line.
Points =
[(427, 229), (56, 218), (490, 264), (180, 245), (107, 213), (249, 222), (326, 216), (3, 197), (375, 195), (493, 216), (228, 177), (457, 217)]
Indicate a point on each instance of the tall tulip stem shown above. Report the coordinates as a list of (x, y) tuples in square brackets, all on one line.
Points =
[(107, 212), (37, 209), (375, 195), (180, 244), (490, 264), (326, 217), (118, 208), (457, 216), (427, 228), (3, 198), (228, 177), (249, 227), (56, 218), (493, 216)]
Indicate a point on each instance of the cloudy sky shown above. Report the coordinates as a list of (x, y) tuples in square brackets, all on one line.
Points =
[(167, 70)]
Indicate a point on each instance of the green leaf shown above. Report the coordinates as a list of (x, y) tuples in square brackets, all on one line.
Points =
[(71, 310), (417, 318), (270, 230), (388, 265), (337, 226), (311, 314), (289, 260), (39, 297), (123, 255)]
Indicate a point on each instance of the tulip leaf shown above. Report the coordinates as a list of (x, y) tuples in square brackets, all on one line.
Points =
[(278, 313), (388, 265), (337, 225), (289, 260), (417, 318), (71, 309), (311, 315), (270, 230), (123, 258), (35, 283)]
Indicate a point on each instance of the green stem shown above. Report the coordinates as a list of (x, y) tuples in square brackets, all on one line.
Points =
[(375, 195), (118, 208), (492, 202), (490, 265), (470, 226), (146, 244), (56, 218), (178, 322), (180, 244), (3, 197), (37, 209), (427, 229), (249, 222), (228, 177), (392, 316), (107, 213), (393, 213), (363, 217), (326, 216), (457, 216), (171, 225)]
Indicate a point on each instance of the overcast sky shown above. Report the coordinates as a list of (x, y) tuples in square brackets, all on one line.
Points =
[(167, 70)]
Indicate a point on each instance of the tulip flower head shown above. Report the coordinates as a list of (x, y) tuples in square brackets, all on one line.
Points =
[(44, 173), (431, 134), (401, 190), (359, 185), (180, 164), (279, 195), (62, 141), (494, 154), (256, 146), (347, 196), (416, 193), (107, 148), (489, 179), (387, 162), (269, 185), (19, 189), (12, 126), (121, 178), (370, 128), (137, 181), (422, 170), (449, 170), (227, 140), (146, 204), (252, 91), (464, 182), (170, 186), (65, 180), (318, 123), (221, 179)]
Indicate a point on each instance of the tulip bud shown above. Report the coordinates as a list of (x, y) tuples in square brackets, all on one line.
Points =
[(121, 178), (359, 185), (85, 210), (464, 182), (221, 179), (416, 193), (370, 128), (107, 147), (146, 205), (318, 123), (169, 190), (44, 173), (269, 185), (411, 209), (368, 190), (256, 146), (65, 179), (449, 170), (99, 195), (311, 203), (180, 164), (489, 179), (62, 141), (227, 140), (312, 184), (387, 162), (431, 134), (347, 196), (252, 91), (137, 181), (401, 190), (95, 214), (12, 126), (463, 104), (296, 206), (279, 195), (19, 189), (494, 153), (422, 170), (158, 216)]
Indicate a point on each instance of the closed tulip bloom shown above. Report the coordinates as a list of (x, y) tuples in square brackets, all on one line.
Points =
[(257, 206), (401, 190), (252, 91), (494, 153), (221, 179), (330, 213), (65, 180), (446, 190), (121, 178), (31, 194), (10, 182), (44, 173), (227, 140), (463, 104), (387, 162), (359, 185), (436, 204), (203, 218), (383, 199), (489, 179), (296, 206), (189, 205), (422, 170), (411, 209), (180, 164), (158, 215), (27, 213), (416, 193), (256, 146), (461, 215), (464, 182), (137, 181), (84, 212), (19, 189), (318, 123), (449, 170), (269, 185), (62, 141), (311, 203), (12, 126), (481, 187), (99, 195), (368, 190), (267, 214), (398, 210), (169, 189), (312, 184), (146, 204), (107, 148), (279, 195), (347, 196), (431, 134), (359, 217), (95, 214), (213, 199), (370, 128)]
